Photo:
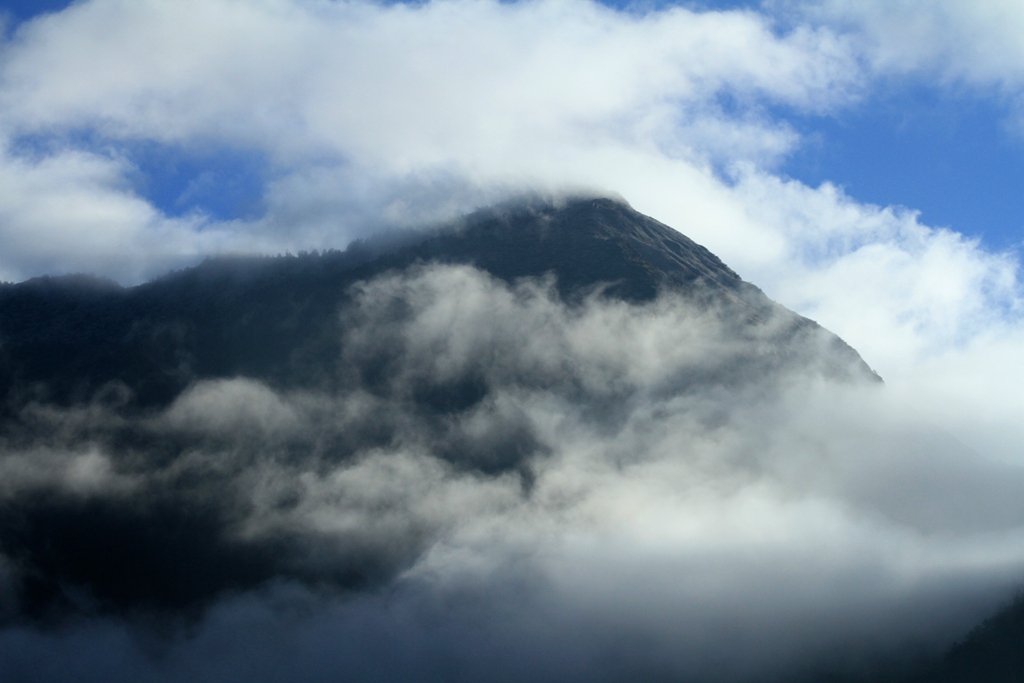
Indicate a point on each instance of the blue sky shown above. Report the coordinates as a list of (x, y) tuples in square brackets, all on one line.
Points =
[(951, 156), (21, 10)]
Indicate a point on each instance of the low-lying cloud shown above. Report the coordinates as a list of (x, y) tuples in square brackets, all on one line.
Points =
[(504, 487)]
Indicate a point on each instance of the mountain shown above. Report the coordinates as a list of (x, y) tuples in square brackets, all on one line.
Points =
[(64, 339), (991, 653), (254, 421)]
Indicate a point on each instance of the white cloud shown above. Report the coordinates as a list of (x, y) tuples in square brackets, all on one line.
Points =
[(976, 43), (938, 316), (401, 86), (357, 104), (72, 211)]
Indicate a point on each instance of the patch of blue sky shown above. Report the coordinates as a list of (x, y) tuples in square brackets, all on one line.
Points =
[(219, 182), (18, 11), (952, 155), (213, 180), (23, 10)]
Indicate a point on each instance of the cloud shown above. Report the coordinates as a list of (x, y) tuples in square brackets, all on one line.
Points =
[(973, 44), (364, 109), (400, 86), (936, 314), (599, 488)]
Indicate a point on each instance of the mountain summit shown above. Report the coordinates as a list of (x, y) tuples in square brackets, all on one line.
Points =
[(69, 339)]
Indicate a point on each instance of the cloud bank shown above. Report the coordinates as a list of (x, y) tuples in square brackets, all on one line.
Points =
[(505, 487)]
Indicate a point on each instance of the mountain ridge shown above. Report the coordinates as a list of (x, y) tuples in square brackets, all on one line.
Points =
[(259, 310)]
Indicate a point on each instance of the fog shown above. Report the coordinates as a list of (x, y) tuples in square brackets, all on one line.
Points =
[(504, 487)]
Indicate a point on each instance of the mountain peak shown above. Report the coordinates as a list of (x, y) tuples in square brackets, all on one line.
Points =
[(277, 319), (586, 242), (450, 345)]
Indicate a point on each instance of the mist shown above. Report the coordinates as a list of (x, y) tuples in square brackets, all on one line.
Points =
[(504, 485)]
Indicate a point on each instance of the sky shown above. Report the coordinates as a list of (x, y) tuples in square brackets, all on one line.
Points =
[(858, 160)]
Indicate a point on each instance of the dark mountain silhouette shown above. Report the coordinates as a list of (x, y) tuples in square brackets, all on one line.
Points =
[(991, 653), (85, 361), (64, 339)]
